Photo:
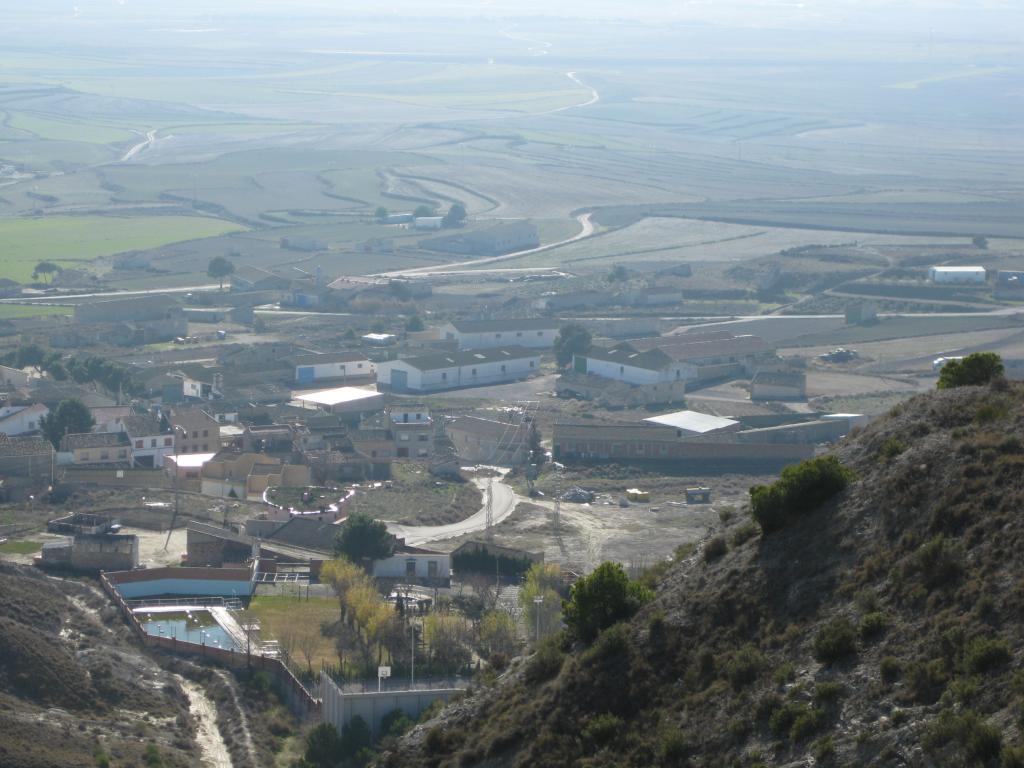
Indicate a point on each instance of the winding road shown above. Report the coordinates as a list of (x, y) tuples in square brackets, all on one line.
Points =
[(504, 502), (586, 230)]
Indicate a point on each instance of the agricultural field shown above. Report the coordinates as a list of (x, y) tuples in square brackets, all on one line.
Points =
[(16, 311), (75, 241)]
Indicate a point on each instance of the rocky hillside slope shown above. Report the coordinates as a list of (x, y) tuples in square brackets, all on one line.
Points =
[(883, 628), (74, 691)]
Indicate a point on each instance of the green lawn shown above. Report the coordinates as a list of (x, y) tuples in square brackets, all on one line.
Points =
[(280, 616), (74, 240), (20, 547), (14, 311)]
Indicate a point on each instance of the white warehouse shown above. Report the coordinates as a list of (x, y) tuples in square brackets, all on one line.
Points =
[(488, 334), (343, 365), (450, 370), (960, 275)]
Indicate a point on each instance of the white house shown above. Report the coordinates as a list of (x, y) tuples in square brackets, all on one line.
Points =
[(21, 419), (13, 377), (412, 564), (488, 334), (343, 365), (958, 275), (149, 444), (625, 363), (441, 371)]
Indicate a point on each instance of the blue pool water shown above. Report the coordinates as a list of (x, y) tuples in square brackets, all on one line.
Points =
[(199, 627)]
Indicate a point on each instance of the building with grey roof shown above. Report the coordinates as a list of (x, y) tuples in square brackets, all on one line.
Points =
[(490, 334), (451, 370)]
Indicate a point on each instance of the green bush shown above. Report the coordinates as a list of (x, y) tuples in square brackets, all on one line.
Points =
[(743, 534), (828, 692), (889, 668), (612, 643), (743, 667), (925, 681), (873, 624), (715, 548), (835, 641), (601, 730), (939, 561), (796, 720), (983, 654), (800, 489), (1011, 757), (890, 449), (962, 739), (546, 662), (603, 598), (975, 369)]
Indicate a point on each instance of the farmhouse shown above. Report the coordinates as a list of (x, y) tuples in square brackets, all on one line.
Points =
[(624, 362), (195, 431), (779, 385), (340, 365), (97, 448), (246, 475), (21, 419), (488, 334), (150, 444), (957, 275), (26, 456), (412, 565), (13, 377), (442, 371)]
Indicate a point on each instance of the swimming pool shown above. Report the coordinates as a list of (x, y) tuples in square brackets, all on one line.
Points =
[(195, 626)]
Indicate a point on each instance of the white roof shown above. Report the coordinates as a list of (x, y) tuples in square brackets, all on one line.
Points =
[(692, 421), (338, 395), (379, 336), (190, 460), (959, 269)]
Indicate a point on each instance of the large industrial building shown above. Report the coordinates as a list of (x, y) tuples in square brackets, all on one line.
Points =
[(450, 370)]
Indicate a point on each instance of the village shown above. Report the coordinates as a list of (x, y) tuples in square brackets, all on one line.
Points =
[(212, 456)]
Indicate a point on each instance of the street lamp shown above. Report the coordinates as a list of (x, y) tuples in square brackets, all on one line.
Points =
[(538, 601)]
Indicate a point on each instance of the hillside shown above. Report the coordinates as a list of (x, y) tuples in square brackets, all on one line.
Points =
[(883, 628), (73, 690)]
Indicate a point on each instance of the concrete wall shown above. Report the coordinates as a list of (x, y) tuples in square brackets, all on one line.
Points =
[(339, 708), (632, 375), (348, 369)]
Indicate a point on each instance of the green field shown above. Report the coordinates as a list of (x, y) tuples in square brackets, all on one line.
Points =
[(14, 311), (76, 240), (299, 617), (20, 547)]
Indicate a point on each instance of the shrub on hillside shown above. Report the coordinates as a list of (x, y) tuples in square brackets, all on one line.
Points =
[(974, 370), (983, 654), (962, 739), (603, 598), (800, 489), (835, 641), (743, 667), (715, 548), (546, 662)]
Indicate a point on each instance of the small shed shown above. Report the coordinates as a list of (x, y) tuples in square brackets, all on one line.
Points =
[(698, 495)]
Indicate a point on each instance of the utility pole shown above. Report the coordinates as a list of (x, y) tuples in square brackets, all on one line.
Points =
[(412, 649), (538, 601), (489, 511)]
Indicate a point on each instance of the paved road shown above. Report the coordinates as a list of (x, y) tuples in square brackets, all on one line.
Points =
[(587, 229), (505, 501), (61, 297)]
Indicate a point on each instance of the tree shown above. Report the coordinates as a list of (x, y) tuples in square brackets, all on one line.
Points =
[(362, 538), (800, 489), (46, 269), (456, 215), (381, 214), (619, 274), (573, 339), (71, 417), (980, 242), (414, 323), (323, 747), (423, 210), (29, 354), (220, 268), (497, 633), (543, 580), (447, 635), (974, 370), (602, 599)]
